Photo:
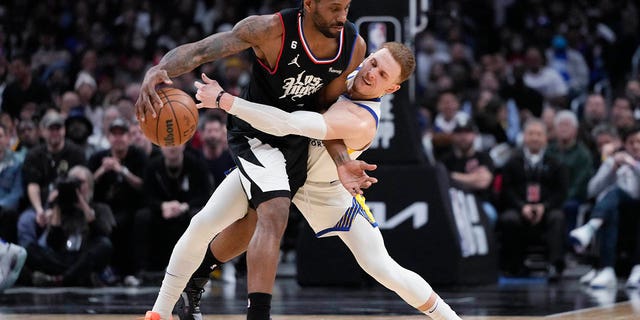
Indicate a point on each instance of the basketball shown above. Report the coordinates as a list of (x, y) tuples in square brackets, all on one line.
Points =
[(176, 120)]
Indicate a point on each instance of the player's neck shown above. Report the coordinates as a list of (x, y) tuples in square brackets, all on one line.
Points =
[(355, 95), (315, 39)]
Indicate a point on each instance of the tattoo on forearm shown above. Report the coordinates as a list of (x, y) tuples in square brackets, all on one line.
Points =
[(187, 57), (341, 158)]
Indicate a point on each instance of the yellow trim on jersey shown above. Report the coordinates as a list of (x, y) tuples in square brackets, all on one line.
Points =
[(361, 200)]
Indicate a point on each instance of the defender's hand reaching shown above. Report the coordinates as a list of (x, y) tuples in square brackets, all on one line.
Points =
[(353, 176), (207, 94)]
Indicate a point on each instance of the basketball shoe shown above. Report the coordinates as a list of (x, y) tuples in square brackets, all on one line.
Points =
[(12, 258), (188, 306)]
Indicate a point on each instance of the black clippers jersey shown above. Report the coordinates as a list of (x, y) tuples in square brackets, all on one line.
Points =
[(295, 81)]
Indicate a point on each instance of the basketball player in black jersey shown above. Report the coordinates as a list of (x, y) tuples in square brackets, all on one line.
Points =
[(302, 59)]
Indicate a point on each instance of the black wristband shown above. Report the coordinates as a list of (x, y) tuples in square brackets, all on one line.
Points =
[(218, 98)]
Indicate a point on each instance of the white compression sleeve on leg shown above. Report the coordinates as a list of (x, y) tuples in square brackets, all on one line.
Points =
[(278, 122), (367, 246), (227, 204)]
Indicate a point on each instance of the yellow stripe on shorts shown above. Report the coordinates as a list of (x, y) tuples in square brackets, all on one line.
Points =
[(361, 200)]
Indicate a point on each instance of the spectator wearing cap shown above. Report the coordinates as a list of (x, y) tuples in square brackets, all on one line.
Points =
[(570, 64), (533, 190), (575, 156), (118, 175), (469, 169), (42, 166), (86, 88)]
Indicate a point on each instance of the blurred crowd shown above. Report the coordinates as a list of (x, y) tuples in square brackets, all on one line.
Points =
[(532, 105)]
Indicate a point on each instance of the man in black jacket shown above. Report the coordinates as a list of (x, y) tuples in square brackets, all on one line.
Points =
[(176, 185), (534, 188)]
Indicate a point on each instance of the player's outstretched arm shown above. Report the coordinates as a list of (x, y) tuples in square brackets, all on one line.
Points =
[(250, 32), (339, 122)]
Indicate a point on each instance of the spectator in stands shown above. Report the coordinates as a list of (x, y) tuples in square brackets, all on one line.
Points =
[(576, 158), (570, 64), (469, 169), (42, 166), (75, 246), (99, 139), (10, 126), (594, 113), (86, 87), (492, 118), (11, 188), (69, 100), (79, 128), (213, 132), (607, 142), (118, 173), (616, 184), (528, 101), (533, 191), (430, 51), (448, 106), (622, 114), (141, 141), (176, 187), (632, 91), (24, 91), (28, 137), (544, 79)]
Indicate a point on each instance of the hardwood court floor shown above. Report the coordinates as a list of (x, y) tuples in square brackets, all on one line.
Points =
[(620, 311), (502, 301)]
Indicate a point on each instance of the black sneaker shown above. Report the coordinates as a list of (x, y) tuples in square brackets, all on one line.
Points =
[(188, 306)]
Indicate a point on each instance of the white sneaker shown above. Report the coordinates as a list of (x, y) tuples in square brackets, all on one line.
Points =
[(581, 237), (606, 278), (12, 258), (585, 279), (634, 277)]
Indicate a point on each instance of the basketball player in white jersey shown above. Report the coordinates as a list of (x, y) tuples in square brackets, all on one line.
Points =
[(328, 207)]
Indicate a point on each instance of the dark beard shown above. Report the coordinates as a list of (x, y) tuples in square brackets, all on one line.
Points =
[(326, 30)]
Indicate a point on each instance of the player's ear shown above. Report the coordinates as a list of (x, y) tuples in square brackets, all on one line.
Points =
[(392, 89)]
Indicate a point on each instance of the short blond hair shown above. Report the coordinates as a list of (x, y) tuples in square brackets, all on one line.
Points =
[(404, 56)]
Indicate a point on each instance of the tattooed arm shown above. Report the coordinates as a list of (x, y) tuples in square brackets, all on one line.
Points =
[(253, 31)]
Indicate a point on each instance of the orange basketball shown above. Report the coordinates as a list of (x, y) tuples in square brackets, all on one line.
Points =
[(176, 120)]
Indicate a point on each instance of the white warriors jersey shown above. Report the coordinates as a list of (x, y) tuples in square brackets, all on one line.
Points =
[(320, 166)]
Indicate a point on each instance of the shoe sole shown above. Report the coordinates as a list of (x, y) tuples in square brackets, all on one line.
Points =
[(15, 273)]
